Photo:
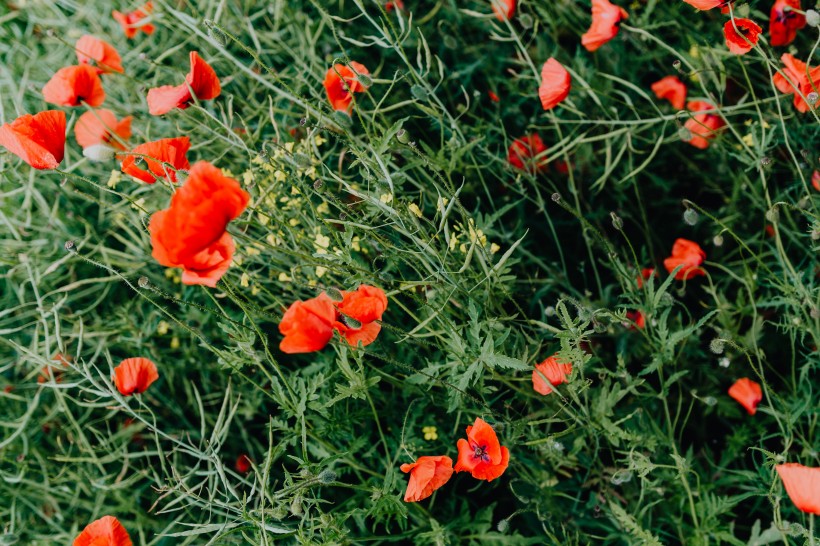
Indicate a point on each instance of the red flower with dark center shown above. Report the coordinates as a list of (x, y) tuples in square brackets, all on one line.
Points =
[(307, 325), (74, 85), (672, 89), (802, 484), (106, 531), (200, 83), (795, 80), (747, 393), (689, 255), (481, 454), (135, 375), (503, 9), (526, 154), (99, 127), (702, 127), (784, 23), (606, 18), (741, 35), (135, 21), (154, 156), (556, 373), (341, 82), (555, 84), (103, 54), (426, 475), (39, 140)]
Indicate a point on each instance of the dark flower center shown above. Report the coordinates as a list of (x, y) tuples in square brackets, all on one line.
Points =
[(480, 452)]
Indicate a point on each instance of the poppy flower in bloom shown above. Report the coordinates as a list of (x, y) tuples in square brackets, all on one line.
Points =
[(481, 454), (798, 81), (365, 306), (395, 4), (606, 18), (73, 85), (646, 272), (802, 484), (99, 127), (702, 127), (135, 21), (556, 372), (784, 23), (672, 89), (243, 464), (690, 255), (747, 393), (191, 232), (523, 152), (426, 475), (200, 83), (704, 5), (153, 155), (106, 531), (638, 318), (341, 82), (503, 9), (37, 139), (741, 35), (135, 375), (815, 180), (307, 325), (555, 84), (103, 54)]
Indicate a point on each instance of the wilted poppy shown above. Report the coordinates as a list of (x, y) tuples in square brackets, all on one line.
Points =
[(106, 531), (555, 84), (147, 162), (135, 375), (99, 127), (503, 9), (784, 23), (135, 21), (307, 325), (242, 464), (341, 82), (426, 475), (74, 85), (798, 82), (103, 54), (815, 180), (556, 372), (741, 35), (708, 4), (747, 393), (200, 83), (481, 454), (37, 139), (606, 18), (191, 232), (365, 306), (702, 126), (690, 255), (672, 89), (802, 484), (523, 152)]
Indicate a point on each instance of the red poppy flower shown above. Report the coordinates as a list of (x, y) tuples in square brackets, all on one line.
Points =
[(395, 4), (365, 306), (106, 531), (341, 82), (797, 80), (493, 96), (135, 21), (815, 180), (702, 127), (646, 272), (243, 464), (556, 372), (39, 140), (704, 5), (523, 152), (606, 18), (102, 53), (690, 255), (747, 393), (555, 84), (307, 325), (741, 40), (171, 151), (672, 89), (73, 85), (638, 318), (99, 127), (802, 484), (503, 9), (426, 475), (200, 83), (481, 454), (191, 232), (783, 23), (135, 375)]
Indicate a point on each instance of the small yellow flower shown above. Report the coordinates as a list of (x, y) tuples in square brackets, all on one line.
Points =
[(162, 328), (494, 248), (280, 176), (748, 140), (289, 147), (354, 244), (323, 208), (283, 277), (319, 140), (255, 290), (414, 208), (247, 177), (244, 282), (320, 271), (386, 198), (175, 342), (114, 179), (694, 52), (293, 222), (430, 433)]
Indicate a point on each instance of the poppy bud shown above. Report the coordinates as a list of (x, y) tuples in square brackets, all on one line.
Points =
[(343, 119), (690, 216), (99, 153), (327, 476), (812, 18)]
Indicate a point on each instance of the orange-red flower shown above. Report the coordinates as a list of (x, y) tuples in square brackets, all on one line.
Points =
[(200, 83), (690, 255), (243, 464), (307, 325), (646, 272), (73, 85), (606, 18), (783, 23), (638, 317), (395, 4), (747, 393), (103, 54), (556, 372), (555, 84), (741, 35), (802, 484), (493, 96), (99, 127), (481, 454), (365, 306), (135, 21), (426, 475), (147, 162), (708, 4), (135, 375), (702, 126), (191, 232), (815, 180), (503, 9), (106, 531), (798, 81), (39, 140), (672, 89), (341, 82), (524, 153)]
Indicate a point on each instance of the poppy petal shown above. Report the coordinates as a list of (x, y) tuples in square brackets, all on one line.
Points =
[(135, 375), (106, 531), (555, 84), (37, 139)]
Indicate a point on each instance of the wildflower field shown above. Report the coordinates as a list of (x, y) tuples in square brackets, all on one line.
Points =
[(411, 272)]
